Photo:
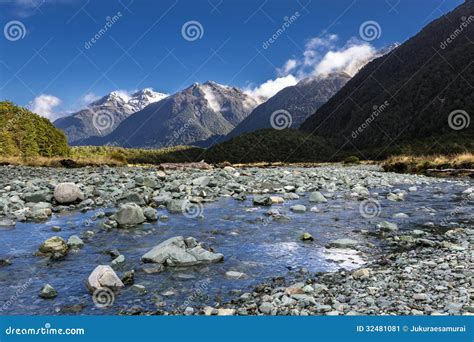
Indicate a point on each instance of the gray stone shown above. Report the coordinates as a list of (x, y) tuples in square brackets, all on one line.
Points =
[(38, 196), (75, 241), (150, 214), (176, 206), (140, 289), (129, 215), (48, 292), (298, 208), (262, 200), (235, 275), (202, 181), (65, 193), (266, 308), (5, 222), (317, 197), (118, 261), (174, 252), (343, 243), (386, 226), (103, 276)]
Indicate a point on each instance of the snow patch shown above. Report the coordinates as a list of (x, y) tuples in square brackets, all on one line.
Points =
[(211, 98)]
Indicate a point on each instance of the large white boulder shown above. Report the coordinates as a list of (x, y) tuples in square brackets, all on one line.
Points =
[(103, 276), (65, 193)]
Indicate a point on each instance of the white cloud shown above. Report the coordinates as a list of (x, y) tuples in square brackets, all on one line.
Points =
[(27, 8), (271, 87), (44, 105), (326, 41), (348, 60), (88, 98), (322, 55), (289, 66)]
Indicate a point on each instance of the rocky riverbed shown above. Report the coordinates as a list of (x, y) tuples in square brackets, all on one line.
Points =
[(331, 240)]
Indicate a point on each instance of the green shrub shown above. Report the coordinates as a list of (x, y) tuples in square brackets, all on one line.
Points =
[(25, 134), (352, 160)]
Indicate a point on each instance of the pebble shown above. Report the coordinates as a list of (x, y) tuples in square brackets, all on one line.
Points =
[(48, 292), (298, 208)]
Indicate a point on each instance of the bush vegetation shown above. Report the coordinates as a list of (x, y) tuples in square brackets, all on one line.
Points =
[(24, 134), (420, 164)]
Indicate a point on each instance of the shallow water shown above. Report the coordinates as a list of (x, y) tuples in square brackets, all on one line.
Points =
[(250, 241)]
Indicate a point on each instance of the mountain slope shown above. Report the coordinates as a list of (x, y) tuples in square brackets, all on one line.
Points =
[(104, 115), (299, 101), (270, 145), (25, 134), (407, 94), (199, 112)]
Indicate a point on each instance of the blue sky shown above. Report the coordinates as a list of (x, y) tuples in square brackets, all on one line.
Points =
[(54, 59)]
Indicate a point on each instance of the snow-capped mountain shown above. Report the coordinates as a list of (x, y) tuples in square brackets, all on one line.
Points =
[(101, 117), (197, 113)]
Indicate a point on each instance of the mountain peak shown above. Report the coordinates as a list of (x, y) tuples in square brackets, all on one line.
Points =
[(118, 104)]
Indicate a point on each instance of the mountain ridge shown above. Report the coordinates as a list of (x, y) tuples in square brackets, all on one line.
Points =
[(102, 116), (196, 113), (422, 82)]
